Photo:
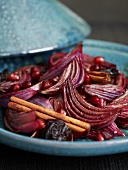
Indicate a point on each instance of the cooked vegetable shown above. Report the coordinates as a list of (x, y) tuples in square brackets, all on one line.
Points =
[(74, 86)]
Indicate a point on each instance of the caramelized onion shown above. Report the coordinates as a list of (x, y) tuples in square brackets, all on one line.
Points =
[(23, 94), (97, 119), (60, 65)]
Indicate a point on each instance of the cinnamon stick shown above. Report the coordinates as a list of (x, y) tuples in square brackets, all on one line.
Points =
[(52, 113), (20, 107)]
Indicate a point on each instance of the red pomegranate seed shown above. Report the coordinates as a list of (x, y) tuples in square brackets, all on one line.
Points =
[(60, 110), (95, 68), (99, 137), (54, 80), (87, 79), (98, 60), (15, 87), (101, 103), (35, 73), (41, 123), (94, 100), (46, 84), (13, 77), (26, 84), (34, 69)]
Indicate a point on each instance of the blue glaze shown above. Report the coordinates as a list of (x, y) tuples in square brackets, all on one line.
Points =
[(112, 52), (27, 26)]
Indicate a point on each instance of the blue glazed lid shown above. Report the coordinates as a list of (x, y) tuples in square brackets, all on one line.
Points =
[(29, 26)]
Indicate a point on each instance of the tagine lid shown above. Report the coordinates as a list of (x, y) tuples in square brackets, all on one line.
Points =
[(29, 26)]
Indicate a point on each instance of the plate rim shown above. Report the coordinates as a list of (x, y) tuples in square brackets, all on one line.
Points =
[(76, 148)]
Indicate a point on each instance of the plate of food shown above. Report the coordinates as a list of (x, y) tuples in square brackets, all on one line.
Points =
[(68, 103)]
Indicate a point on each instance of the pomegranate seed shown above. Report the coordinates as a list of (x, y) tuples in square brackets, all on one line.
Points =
[(87, 79), (99, 137), (94, 100), (41, 123), (101, 103), (35, 75), (98, 60), (46, 84), (26, 84), (95, 68), (60, 110), (13, 77), (54, 80), (15, 87), (34, 69)]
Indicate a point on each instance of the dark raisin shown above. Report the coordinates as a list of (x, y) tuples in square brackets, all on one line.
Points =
[(56, 130)]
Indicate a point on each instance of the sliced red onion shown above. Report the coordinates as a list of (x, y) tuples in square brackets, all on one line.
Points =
[(23, 94), (58, 68), (81, 73), (19, 118), (90, 108), (54, 58), (22, 122), (122, 119), (108, 92), (120, 102), (74, 68), (23, 76), (76, 110), (41, 101), (76, 72), (65, 74)]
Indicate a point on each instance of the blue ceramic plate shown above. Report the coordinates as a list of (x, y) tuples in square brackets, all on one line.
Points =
[(112, 52)]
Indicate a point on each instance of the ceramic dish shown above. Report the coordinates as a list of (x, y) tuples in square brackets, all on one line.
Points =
[(115, 53), (37, 26)]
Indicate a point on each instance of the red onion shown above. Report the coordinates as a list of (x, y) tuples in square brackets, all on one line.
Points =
[(108, 92), (23, 94), (65, 74), (22, 122), (23, 76), (55, 57), (58, 68), (41, 101), (76, 72), (97, 119)]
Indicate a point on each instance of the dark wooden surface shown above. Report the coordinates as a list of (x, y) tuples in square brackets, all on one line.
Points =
[(16, 159)]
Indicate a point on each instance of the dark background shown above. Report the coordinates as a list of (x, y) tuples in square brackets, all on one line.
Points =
[(108, 18)]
